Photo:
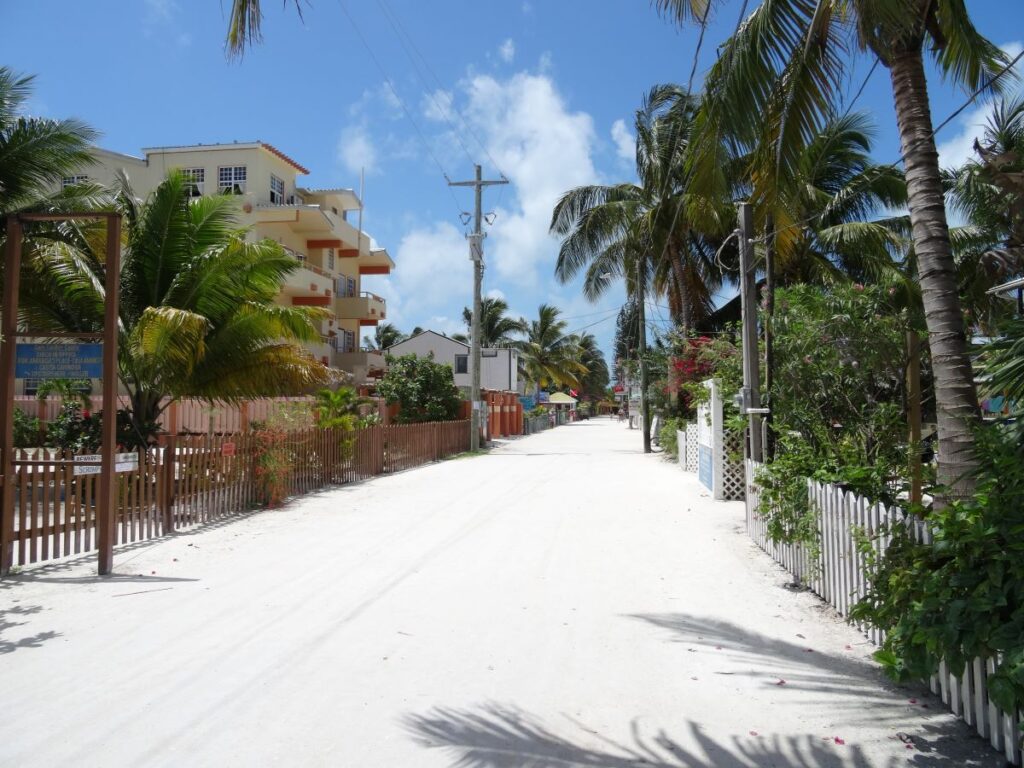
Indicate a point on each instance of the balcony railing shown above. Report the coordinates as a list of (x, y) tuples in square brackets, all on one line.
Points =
[(304, 261)]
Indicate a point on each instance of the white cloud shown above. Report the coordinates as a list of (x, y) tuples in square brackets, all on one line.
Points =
[(625, 142), (959, 148), (356, 149), (507, 51), (545, 149), (160, 10), (495, 293), (437, 106), (433, 274)]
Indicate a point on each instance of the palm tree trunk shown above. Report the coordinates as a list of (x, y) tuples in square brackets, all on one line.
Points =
[(769, 334), (676, 261), (955, 396)]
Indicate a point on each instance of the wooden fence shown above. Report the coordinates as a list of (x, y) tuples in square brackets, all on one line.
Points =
[(840, 575), (190, 480), (186, 416)]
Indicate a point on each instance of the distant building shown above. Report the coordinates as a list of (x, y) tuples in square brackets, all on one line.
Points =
[(315, 226), (499, 367)]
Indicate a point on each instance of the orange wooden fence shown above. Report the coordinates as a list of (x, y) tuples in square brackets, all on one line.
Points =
[(190, 480)]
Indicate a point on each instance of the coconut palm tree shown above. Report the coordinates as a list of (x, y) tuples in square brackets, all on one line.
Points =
[(384, 335), (497, 329), (988, 193), (35, 153), (549, 353), (601, 224), (596, 379), (197, 311), (778, 79), (245, 25)]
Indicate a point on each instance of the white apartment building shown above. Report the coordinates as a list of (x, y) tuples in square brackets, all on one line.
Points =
[(499, 367), (318, 227)]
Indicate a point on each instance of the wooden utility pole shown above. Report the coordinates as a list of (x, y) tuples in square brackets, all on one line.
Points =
[(476, 254), (751, 398), (645, 421)]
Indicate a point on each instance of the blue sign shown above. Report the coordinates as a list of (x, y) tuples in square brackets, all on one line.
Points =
[(528, 402), (705, 467), (545, 397), (59, 361)]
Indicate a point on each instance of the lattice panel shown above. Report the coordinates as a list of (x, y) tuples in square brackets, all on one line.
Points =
[(690, 460), (733, 478)]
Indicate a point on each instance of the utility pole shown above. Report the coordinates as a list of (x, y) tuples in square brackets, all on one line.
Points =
[(750, 396), (645, 420), (476, 255)]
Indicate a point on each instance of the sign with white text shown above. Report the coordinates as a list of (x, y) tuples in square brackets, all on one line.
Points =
[(59, 361)]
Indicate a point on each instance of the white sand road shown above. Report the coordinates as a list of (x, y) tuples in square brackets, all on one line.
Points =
[(563, 600)]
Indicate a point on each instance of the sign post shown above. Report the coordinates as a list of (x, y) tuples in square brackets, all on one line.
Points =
[(92, 360)]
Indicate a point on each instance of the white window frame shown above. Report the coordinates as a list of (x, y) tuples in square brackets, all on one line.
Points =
[(70, 181), (195, 178), (231, 179), (276, 190), (329, 261)]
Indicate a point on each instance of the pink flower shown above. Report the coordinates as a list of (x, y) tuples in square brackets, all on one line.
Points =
[(858, 287)]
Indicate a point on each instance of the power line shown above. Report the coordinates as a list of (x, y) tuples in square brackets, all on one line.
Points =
[(437, 81), (419, 74), (903, 156), (394, 92)]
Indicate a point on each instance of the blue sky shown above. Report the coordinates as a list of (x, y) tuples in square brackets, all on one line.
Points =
[(544, 90)]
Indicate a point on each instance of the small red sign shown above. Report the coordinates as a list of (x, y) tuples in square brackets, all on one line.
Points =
[(228, 449)]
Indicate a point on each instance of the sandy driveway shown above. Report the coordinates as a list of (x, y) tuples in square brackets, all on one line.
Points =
[(562, 601)]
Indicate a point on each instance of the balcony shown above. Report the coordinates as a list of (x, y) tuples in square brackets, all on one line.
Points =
[(308, 282), (362, 363), (299, 217), (368, 308), (377, 262)]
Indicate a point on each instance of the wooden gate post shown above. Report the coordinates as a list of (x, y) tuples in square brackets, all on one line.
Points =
[(8, 330), (167, 483)]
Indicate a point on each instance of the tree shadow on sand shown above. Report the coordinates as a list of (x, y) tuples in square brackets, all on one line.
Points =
[(497, 736)]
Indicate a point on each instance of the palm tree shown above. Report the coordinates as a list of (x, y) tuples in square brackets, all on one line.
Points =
[(197, 311), (549, 352), (35, 153), (496, 328), (384, 335), (600, 225), (596, 379), (245, 24), (988, 193), (777, 80)]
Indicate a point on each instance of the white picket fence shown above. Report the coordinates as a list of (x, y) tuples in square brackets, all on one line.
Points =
[(840, 577)]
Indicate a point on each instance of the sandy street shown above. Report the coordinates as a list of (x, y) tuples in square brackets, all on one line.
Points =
[(562, 601)]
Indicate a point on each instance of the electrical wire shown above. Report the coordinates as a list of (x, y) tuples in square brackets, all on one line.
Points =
[(401, 101), (903, 156), (402, 31)]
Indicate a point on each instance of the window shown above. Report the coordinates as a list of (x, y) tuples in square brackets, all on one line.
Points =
[(69, 181), (488, 353), (350, 341), (195, 181), (462, 363), (329, 260), (231, 179), (276, 190), (344, 286)]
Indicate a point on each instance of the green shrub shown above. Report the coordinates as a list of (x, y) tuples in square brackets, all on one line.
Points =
[(667, 437), (426, 390), (962, 596), (26, 429)]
